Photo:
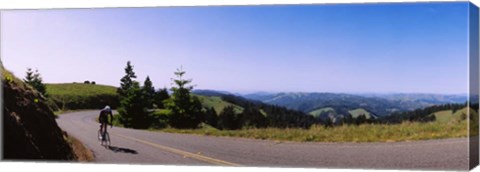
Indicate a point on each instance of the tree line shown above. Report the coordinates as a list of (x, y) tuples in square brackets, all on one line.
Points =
[(138, 106), (420, 115)]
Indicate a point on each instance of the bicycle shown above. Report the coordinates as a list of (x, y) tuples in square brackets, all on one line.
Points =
[(104, 138)]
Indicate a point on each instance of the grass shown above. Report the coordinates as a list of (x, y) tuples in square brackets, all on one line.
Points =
[(347, 133), (447, 125), (69, 96), (357, 112), (81, 152), (218, 104), (448, 115), (317, 112), (79, 89)]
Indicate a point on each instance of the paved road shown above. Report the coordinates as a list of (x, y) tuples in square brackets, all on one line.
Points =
[(146, 147)]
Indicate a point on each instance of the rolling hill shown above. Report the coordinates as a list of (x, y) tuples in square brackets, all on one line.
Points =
[(217, 103), (310, 102), (377, 104), (70, 96)]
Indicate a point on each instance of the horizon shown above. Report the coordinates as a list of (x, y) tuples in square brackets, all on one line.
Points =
[(301, 92), (412, 48)]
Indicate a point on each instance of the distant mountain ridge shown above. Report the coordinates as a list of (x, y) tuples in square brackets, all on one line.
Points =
[(379, 104), (308, 102), (376, 104)]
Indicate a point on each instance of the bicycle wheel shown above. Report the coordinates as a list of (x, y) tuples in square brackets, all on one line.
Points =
[(107, 139), (99, 135)]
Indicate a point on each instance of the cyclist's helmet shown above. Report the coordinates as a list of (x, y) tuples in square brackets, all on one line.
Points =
[(107, 108)]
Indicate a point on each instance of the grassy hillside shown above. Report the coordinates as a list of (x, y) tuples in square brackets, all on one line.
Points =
[(354, 112), (447, 116), (347, 133), (359, 111), (316, 113), (217, 103), (82, 96), (80, 89), (447, 125)]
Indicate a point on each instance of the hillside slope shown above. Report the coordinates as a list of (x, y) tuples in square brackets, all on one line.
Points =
[(30, 130), (82, 96), (378, 104), (308, 102)]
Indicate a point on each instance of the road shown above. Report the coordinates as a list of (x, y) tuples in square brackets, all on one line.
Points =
[(148, 147)]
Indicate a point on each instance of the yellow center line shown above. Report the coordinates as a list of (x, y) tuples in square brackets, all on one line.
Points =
[(184, 153)]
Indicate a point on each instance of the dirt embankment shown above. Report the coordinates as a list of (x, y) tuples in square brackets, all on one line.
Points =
[(30, 131)]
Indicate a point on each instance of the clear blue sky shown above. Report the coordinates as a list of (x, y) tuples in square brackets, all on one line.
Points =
[(381, 48)]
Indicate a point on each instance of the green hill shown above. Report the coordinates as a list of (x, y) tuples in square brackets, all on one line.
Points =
[(217, 103), (70, 96), (354, 112), (447, 116), (80, 89), (316, 113), (359, 111)]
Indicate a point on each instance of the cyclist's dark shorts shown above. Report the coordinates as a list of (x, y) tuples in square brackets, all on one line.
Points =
[(103, 120)]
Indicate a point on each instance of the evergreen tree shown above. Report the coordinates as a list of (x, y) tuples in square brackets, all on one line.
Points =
[(160, 96), (227, 119), (252, 117), (35, 80), (127, 81), (133, 104), (186, 110), (149, 92), (211, 117), (29, 77), (361, 119)]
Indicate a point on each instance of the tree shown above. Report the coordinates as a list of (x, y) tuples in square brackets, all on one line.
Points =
[(252, 117), (133, 104), (186, 110), (149, 92), (127, 81), (160, 96), (35, 80), (227, 119), (361, 119), (211, 117), (133, 108)]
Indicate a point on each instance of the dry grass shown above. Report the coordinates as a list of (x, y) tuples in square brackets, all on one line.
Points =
[(407, 131), (81, 152)]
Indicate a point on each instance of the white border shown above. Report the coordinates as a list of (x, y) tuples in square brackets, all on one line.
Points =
[(55, 4), (49, 4)]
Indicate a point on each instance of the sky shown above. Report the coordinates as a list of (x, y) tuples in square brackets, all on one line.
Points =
[(343, 48)]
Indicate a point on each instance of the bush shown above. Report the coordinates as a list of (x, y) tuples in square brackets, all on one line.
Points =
[(159, 119)]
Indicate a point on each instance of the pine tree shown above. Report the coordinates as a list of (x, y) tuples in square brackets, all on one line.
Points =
[(133, 104), (252, 117), (186, 110), (29, 77), (227, 119), (160, 96), (149, 92), (127, 81), (35, 80), (211, 117)]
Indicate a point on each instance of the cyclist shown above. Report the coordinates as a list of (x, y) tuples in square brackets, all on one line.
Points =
[(103, 119)]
